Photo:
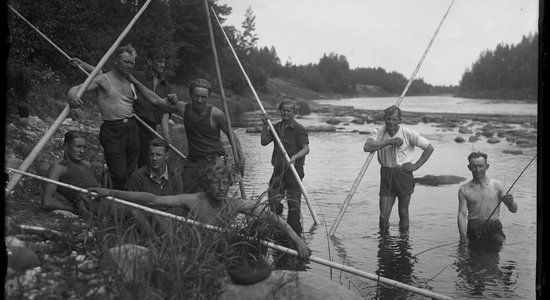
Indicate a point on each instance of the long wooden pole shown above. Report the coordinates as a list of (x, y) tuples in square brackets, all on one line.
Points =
[(275, 136), (87, 74), (274, 246), (361, 174), (222, 94), (36, 150)]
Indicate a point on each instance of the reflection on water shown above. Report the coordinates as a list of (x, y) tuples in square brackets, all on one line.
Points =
[(479, 272), (395, 262)]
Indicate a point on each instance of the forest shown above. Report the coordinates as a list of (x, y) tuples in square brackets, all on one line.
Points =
[(86, 29)]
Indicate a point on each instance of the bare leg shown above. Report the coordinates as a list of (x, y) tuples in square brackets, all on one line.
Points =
[(403, 207), (386, 205)]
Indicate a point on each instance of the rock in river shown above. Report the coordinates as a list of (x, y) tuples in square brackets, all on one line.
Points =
[(436, 180)]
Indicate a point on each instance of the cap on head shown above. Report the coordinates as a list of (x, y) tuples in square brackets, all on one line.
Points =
[(390, 111), (202, 83)]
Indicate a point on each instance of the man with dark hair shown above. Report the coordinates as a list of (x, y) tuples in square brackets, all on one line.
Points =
[(156, 177), (212, 206), (73, 170), (115, 96), (479, 205), (203, 124), (295, 140), (153, 78), (395, 151)]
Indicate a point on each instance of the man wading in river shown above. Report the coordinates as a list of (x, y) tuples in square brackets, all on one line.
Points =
[(395, 151), (477, 200)]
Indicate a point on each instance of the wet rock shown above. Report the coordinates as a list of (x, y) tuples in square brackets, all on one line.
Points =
[(359, 121), (369, 119), (282, 284), (333, 121), (12, 241), (411, 121), (526, 143), (130, 260), (436, 180), (493, 140), (345, 124), (473, 138), (464, 129), (459, 139), (364, 132), (526, 125), (514, 152), (33, 122)]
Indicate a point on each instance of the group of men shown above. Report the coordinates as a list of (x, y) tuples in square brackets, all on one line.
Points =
[(203, 186)]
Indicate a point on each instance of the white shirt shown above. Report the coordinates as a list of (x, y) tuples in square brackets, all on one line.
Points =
[(393, 156)]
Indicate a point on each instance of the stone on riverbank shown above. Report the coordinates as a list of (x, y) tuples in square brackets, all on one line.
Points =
[(493, 140), (459, 139), (282, 284), (473, 138), (333, 121), (465, 130), (514, 152)]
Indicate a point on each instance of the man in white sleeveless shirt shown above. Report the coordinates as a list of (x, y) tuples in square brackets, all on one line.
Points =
[(395, 151), (115, 96)]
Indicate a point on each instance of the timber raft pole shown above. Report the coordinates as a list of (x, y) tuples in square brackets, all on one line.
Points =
[(361, 174), (273, 246), (275, 136), (179, 153), (40, 145), (230, 136)]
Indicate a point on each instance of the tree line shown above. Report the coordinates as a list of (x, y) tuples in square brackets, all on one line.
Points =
[(507, 72)]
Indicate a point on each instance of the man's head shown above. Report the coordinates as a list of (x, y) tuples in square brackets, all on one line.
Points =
[(74, 145), (158, 154), (392, 119), (156, 59), (125, 58), (199, 90), (218, 179), (286, 108), (477, 164)]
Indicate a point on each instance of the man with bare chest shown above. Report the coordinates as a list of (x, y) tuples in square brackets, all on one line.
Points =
[(118, 134), (478, 204)]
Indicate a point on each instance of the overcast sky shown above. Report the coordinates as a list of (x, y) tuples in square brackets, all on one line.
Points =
[(392, 34)]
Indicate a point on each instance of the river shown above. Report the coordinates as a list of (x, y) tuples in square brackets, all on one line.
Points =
[(333, 165)]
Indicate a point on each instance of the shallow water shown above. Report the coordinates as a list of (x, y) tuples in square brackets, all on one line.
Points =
[(331, 168)]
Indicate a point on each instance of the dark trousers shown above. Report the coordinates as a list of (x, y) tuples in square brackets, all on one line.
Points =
[(120, 142), (145, 136), (284, 182)]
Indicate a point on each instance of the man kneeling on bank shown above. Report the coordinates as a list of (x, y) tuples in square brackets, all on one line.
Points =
[(212, 206)]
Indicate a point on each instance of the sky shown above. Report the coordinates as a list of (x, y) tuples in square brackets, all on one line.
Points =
[(392, 34)]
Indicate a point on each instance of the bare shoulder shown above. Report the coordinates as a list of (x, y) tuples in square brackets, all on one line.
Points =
[(56, 169)]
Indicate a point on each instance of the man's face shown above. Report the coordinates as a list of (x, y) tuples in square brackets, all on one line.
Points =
[(287, 112), (198, 98), (157, 64), (218, 188), (125, 63), (478, 167), (157, 158), (75, 151), (392, 123)]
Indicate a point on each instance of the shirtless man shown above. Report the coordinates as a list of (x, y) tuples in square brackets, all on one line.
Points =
[(203, 124), (477, 199), (213, 206), (118, 133), (395, 151), (73, 170)]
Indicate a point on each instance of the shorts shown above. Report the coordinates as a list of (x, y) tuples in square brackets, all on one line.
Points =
[(481, 231), (394, 182)]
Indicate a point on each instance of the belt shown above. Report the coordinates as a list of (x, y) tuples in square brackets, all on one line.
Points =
[(118, 122)]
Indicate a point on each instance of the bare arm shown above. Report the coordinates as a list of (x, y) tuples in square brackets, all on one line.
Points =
[(303, 152), (372, 145), (165, 128), (74, 100), (222, 123), (49, 199), (148, 199), (408, 167), (462, 217), (151, 96), (303, 250), (265, 137), (86, 66), (508, 200)]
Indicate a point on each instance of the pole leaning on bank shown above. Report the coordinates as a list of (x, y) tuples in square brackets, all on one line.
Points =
[(222, 95), (361, 174), (274, 246), (275, 136), (40, 145)]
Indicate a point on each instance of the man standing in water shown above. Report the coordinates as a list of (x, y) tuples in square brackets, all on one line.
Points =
[(295, 140), (118, 133), (395, 151), (477, 200)]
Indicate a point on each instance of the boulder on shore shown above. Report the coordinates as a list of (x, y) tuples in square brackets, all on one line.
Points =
[(283, 284), (459, 139)]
